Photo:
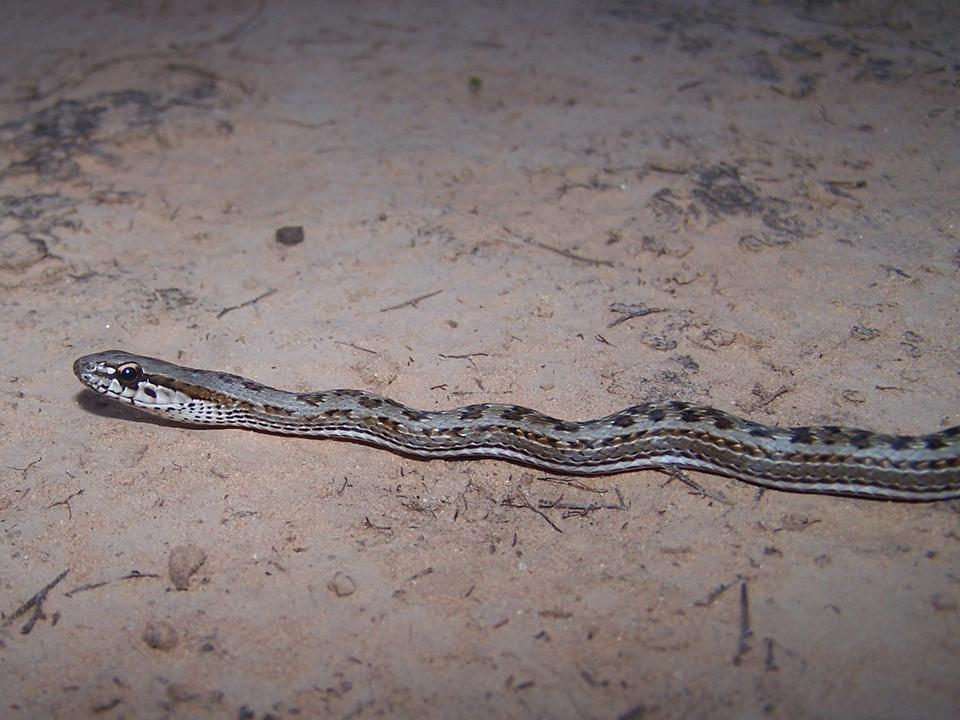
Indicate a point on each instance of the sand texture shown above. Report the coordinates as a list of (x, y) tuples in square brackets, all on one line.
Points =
[(573, 206)]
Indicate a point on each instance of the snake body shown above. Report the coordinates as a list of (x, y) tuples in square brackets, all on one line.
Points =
[(825, 459)]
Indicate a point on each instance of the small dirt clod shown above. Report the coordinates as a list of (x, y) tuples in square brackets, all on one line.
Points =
[(184, 561), (160, 635)]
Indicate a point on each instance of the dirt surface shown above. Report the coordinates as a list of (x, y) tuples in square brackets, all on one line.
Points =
[(485, 191)]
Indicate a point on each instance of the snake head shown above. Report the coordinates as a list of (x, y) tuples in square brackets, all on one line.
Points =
[(129, 378)]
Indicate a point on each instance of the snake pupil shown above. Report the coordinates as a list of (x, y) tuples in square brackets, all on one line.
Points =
[(128, 374)]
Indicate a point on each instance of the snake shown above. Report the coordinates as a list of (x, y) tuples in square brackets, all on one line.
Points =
[(660, 435)]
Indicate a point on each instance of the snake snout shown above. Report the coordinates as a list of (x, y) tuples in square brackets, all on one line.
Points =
[(85, 369)]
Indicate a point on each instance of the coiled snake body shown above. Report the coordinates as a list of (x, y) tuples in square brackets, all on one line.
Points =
[(824, 459)]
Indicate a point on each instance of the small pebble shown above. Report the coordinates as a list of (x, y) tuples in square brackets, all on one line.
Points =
[(160, 635), (854, 396), (341, 585), (290, 235), (862, 332)]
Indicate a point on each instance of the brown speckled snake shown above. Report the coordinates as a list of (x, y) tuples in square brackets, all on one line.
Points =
[(824, 459)]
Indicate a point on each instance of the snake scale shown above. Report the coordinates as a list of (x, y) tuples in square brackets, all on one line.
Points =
[(825, 459)]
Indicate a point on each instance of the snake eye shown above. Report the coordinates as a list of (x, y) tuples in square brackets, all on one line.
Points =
[(128, 374)]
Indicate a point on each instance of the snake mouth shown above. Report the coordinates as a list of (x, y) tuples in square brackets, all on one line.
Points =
[(84, 370), (93, 375)]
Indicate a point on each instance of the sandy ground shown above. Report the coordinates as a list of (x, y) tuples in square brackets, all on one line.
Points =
[(484, 192)]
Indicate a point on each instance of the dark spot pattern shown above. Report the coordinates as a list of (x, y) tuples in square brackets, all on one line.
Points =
[(721, 421), (657, 415), (472, 412), (802, 436), (901, 442), (388, 422), (270, 409), (516, 413), (371, 403), (860, 439), (624, 420), (933, 442), (831, 434)]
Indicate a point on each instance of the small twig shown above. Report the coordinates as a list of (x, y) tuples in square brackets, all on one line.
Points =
[(36, 602), (767, 396), (714, 594), (356, 347), (676, 473), (550, 248), (840, 187), (422, 573), (93, 586), (581, 509), (769, 663), (567, 253), (106, 706), (25, 469), (67, 503), (88, 586), (573, 482), (891, 270), (595, 184), (257, 299), (511, 502), (416, 505), (411, 303), (628, 312), (745, 632), (466, 356), (370, 525)]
